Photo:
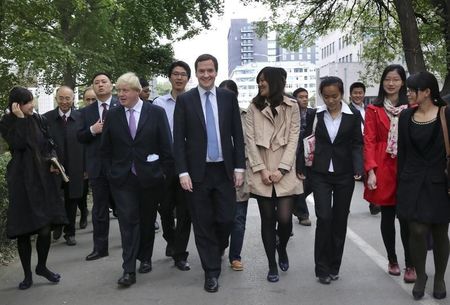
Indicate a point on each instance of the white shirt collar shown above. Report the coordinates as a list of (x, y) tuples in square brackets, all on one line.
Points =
[(67, 114), (203, 91), (137, 107), (345, 109), (108, 101)]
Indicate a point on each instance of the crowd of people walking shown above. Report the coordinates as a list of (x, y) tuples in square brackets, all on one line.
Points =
[(197, 158)]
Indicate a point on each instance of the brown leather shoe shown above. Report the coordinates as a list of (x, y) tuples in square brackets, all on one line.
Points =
[(237, 265)]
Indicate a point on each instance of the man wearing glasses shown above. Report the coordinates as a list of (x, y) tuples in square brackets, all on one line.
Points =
[(177, 237), (63, 124)]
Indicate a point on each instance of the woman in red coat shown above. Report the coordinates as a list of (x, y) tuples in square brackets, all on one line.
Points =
[(380, 162)]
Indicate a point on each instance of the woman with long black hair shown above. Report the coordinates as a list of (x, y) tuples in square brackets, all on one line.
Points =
[(272, 127), (422, 193), (35, 204)]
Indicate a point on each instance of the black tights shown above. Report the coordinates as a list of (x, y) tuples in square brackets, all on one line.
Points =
[(42, 247), (418, 243), (275, 210), (388, 233)]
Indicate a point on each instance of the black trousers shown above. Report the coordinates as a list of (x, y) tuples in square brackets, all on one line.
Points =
[(212, 205), (136, 210), (71, 205), (332, 196), (101, 195), (176, 235)]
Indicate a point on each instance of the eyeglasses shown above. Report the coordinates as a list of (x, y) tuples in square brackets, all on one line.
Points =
[(90, 99), (393, 80), (65, 98), (177, 74)]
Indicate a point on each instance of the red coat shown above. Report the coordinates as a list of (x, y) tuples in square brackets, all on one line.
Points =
[(376, 129)]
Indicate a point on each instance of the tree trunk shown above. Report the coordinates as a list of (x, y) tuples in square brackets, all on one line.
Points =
[(410, 36), (446, 32), (69, 76)]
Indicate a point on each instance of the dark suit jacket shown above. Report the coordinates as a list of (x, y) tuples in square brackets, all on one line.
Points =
[(346, 150), (119, 150), (310, 113), (90, 115), (190, 143), (73, 158), (355, 110)]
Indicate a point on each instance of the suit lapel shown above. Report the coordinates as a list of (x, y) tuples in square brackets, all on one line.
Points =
[(220, 110), (344, 121), (321, 120), (198, 107), (142, 118), (123, 121)]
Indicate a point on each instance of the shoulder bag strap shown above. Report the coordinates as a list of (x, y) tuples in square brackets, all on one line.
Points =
[(445, 129)]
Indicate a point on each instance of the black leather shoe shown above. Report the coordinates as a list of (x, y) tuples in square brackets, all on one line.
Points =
[(273, 277), (50, 276), (419, 287), (211, 284), (439, 295), (169, 251), (145, 267), (70, 240), (326, 280), (57, 232), (83, 219), (182, 265), (127, 279), (25, 284), (334, 277), (96, 255)]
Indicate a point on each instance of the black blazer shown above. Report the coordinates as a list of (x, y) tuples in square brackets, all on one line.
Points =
[(73, 157), (346, 150), (90, 115), (119, 150), (356, 111), (310, 113), (422, 182), (190, 143)]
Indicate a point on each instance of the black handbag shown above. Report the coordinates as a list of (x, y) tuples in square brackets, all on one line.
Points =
[(447, 144)]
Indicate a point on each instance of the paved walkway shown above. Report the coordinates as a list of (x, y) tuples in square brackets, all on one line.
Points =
[(363, 275)]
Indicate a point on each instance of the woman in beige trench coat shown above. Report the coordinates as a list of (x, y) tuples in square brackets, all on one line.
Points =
[(272, 131)]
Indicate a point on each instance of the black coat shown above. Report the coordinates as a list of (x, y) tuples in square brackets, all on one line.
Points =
[(71, 153), (34, 198), (190, 142), (119, 150), (346, 150), (90, 116), (422, 183)]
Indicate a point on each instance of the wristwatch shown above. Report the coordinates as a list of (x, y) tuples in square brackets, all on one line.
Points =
[(283, 171)]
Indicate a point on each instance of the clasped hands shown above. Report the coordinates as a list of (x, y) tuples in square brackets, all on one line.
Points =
[(268, 177), (186, 182)]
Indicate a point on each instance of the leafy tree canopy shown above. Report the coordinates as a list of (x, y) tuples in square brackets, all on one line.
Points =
[(67, 41)]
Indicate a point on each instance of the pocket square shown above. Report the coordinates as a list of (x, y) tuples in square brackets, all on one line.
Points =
[(152, 157)]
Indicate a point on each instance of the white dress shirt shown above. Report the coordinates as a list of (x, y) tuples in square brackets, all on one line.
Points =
[(168, 103), (67, 114), (137, 112), (363, 115), (333, 125), (100, 110)]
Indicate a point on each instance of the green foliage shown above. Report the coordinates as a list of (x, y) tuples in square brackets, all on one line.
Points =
[(67, 41), (163, 88), (374, 22), (6, 245)]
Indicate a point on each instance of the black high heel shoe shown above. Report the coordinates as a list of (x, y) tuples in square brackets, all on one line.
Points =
[(25, 284), (50, 276), (439, 290), (283, 259)]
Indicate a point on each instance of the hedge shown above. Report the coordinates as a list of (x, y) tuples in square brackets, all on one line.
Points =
[(7, 246)]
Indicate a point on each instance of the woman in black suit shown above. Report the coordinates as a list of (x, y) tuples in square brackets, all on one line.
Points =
[(337, 161), (34, 201), (422, 184)]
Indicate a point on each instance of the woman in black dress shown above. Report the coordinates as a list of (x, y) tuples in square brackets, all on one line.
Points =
[(34, 200), (422, 197)]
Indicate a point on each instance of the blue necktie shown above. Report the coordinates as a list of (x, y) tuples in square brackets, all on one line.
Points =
[(213, 144)]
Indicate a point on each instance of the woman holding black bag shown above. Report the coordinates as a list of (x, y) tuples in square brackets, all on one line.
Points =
[(422, 193), (35, 204)]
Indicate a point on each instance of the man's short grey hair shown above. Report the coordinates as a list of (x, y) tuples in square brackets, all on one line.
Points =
[(129, 79)]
